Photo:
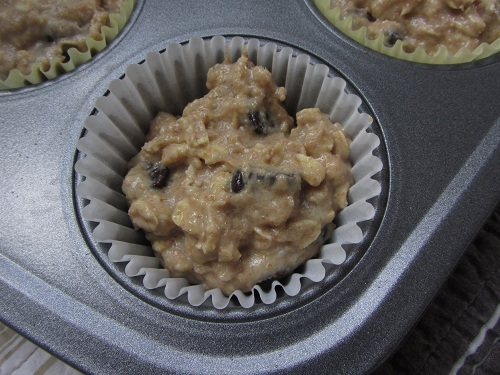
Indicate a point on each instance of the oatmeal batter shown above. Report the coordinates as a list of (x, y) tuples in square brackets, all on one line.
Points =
[(231, 193), (429, 23), (34, 31)]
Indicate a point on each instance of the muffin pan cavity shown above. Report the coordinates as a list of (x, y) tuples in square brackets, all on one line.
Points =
[(168, 81)]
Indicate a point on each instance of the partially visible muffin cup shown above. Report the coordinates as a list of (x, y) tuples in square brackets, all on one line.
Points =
[(58, 66), (335, 16), (167, 81)]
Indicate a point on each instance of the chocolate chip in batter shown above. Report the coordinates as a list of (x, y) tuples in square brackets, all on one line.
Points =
[(66, 56), (159, 174), (237, 183), (370, 17), (392, 36), (262, 179), (257, 179), (267, 177), (260, 122)]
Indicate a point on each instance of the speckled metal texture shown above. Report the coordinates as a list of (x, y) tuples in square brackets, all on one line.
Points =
[(440, 127)]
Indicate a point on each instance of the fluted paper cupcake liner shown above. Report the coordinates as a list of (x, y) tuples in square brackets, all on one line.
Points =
[(441, 56), (169, 80), (57, 67)]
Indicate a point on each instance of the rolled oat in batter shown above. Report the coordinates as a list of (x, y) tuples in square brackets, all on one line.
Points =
[(233, 193), (428, 23), (34, 31)]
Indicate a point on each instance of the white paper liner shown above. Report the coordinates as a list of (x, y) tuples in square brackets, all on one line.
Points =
[(168, 81)]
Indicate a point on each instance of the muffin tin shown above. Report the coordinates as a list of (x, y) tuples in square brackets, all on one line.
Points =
[(440, 133)]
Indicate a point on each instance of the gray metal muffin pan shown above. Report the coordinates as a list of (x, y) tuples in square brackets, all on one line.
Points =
[(440, 131)]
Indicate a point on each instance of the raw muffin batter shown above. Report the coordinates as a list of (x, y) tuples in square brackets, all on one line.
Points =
[(37, 30), (231, 193), (429, 23)]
